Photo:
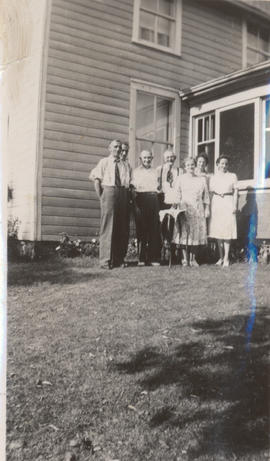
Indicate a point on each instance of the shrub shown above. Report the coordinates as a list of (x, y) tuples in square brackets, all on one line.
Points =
[(69, 248), (13, 227)]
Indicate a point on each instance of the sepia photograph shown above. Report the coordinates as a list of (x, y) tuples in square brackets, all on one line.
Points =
[(135, 230)]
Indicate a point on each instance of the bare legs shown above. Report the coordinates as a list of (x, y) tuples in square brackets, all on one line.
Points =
[(224, 250), (226, 261)]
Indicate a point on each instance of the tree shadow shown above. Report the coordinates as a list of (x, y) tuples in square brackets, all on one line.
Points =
[(52, 272), (228, 377)]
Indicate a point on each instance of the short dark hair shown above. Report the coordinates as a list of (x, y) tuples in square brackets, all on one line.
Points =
[(221, 157), (202, 155)]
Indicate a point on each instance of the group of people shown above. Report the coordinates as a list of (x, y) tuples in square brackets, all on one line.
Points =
[(202, 205)]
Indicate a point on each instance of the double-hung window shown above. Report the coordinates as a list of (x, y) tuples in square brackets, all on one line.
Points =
[(205, 138), (239, 127), (157, 23), (256, 44), (154, 121)]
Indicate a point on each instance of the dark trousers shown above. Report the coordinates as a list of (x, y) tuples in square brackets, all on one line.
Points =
[(147, 226), (113, 225)]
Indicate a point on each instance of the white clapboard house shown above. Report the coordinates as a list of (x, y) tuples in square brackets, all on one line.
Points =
[(190, 74)]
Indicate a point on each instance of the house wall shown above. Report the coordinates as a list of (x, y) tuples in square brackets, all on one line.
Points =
[(22, 47), (91, 62)]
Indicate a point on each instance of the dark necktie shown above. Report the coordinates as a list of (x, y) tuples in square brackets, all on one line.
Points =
[(117, 175), (170, 177)]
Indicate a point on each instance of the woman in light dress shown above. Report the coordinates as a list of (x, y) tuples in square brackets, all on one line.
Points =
[(193, 195), (224, 193)]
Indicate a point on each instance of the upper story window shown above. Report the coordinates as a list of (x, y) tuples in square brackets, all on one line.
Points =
[(256, 41), (157, 23)]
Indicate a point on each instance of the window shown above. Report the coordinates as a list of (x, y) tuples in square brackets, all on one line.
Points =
[(237, 125), (205, 138), (157, 23), (266, 141), (236, 139), (154, 121), (256, 43)]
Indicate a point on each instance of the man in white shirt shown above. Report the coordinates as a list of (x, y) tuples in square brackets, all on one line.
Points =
[(111, 179), (144, 184), (167, 178)]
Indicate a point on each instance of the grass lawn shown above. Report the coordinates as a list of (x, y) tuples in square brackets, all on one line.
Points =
[(137, 363)]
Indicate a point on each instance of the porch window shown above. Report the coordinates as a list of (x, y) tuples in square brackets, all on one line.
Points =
[(237, 139), (230, 131), (154, 121), (157, 23), (267, 139), (256, 44), (205, 138)]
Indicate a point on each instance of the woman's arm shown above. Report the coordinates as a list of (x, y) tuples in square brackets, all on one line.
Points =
[(235, 200), (206, 199), (235, 195)]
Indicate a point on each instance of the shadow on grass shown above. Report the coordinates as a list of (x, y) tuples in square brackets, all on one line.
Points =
[(58, 271), (228, 380)]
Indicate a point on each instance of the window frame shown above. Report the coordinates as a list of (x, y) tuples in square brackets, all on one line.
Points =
[(160, 91), (264, 129), (176, 48), (257, 96), (247, 47), (195, 124)]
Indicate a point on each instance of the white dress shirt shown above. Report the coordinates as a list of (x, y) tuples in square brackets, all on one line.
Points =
[(168, 189), (145, 179), (105, 172)]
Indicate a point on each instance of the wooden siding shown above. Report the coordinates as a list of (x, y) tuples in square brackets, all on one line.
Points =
[(90, 65)]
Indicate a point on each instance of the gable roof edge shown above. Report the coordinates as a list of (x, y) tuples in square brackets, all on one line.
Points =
[(250, 8)]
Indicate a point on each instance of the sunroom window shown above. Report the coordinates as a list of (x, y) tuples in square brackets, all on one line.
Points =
[(230, 131), (267, 140), (205, 138), (237, 139)]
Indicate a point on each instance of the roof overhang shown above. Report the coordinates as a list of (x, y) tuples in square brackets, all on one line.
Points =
[(228, 84), (253, 10)]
